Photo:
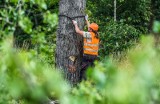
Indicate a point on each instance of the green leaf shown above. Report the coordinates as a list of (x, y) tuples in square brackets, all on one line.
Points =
[(156, 27), (25, 24), (51, 19)]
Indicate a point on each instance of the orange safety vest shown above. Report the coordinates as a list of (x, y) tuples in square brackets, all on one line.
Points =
[(92, 47)]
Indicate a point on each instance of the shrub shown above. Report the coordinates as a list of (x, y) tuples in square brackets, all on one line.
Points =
[(117, 38)]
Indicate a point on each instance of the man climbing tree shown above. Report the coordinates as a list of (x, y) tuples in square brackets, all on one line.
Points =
[(91, 45), (69, 48)]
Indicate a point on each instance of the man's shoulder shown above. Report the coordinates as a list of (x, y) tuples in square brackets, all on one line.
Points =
[(86, 34)]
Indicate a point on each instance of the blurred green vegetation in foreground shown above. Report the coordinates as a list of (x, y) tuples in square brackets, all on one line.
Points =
[(24, 79), (133, 80)]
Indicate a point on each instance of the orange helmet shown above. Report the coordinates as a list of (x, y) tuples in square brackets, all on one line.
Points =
[(94, 26)]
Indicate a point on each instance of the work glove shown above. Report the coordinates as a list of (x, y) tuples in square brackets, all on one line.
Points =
[(74, 22), (86, 17)]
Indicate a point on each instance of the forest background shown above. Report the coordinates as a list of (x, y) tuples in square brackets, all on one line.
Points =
[(129, 54)]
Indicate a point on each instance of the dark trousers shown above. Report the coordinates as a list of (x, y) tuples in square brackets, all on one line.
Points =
[(88, 61)]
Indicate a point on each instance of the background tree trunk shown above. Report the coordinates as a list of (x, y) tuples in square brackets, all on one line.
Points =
[(68, 42), (115, 10), (152, 15)]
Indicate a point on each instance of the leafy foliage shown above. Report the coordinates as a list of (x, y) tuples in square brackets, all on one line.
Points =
[(27, 77), (135, 77), (155, 8), (117, 38), (24, 78), (133, 19), (33, 23), (134, 13)]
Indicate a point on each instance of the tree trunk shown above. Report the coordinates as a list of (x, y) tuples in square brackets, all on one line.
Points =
[(68, 42), (115, 10), (152, 15)]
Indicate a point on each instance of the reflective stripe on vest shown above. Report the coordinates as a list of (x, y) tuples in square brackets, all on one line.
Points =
[(92, 47), (91, 50)]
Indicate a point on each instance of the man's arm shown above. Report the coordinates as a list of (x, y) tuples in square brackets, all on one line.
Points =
[(88, 24), (77, 28)]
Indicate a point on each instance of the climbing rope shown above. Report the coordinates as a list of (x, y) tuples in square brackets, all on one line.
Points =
[(71, 18)]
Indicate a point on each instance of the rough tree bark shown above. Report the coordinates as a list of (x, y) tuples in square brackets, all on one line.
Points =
[(69, 44)]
